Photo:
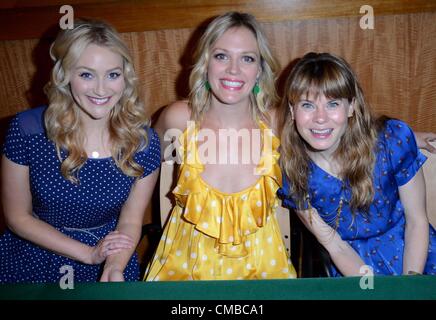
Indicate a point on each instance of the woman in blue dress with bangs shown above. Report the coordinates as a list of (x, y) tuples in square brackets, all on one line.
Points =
[(77, 175), (355, 181)]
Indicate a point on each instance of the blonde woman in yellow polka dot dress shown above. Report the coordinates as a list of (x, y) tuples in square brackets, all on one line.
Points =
[(223, 226)]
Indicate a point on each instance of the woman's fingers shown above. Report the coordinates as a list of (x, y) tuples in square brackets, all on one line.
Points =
[(116, 235), (115, 242), (111, 252), (304, 216), (118, 240), (112, 247), (429, 147), (112, 243)]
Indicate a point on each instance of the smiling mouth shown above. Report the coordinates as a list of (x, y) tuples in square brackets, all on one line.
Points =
[(232, 84), (99, 101), (321, 133)]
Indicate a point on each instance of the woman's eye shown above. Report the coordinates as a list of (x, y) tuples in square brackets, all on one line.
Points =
[(220, 56), (85, 75), (306, 105), (114, 75), (333, 104), (248, 59)]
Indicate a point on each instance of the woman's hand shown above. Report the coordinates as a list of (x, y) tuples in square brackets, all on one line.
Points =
[(345, 258), (114, 242), (424, 139), (112, 275), (316, 225)]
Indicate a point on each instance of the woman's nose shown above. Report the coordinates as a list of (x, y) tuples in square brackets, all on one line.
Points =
[(233, 66), (320, 115), (100, 87)]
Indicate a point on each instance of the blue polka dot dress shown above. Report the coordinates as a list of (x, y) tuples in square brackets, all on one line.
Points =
[(377, 237), (85, 212)]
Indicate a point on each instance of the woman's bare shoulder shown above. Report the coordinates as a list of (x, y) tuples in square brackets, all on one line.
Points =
[(174, 116)]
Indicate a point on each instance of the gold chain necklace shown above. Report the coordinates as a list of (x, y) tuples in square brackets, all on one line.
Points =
[(338, 210)]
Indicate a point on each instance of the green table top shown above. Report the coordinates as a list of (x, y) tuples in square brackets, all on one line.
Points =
[(351, 288)]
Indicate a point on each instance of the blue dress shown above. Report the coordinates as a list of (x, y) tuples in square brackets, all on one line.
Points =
[(378, 237), (86, 212)]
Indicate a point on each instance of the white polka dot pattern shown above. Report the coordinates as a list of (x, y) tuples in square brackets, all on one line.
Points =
[(85, 212)]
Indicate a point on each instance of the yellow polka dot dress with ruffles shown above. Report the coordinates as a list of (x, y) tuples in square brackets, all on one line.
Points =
[(212, 235)]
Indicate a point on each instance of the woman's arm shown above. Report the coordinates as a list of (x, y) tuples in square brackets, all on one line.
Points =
[(130, 223), (17, 205), (413, 198), (170, 125), (424, 141), (342, 254)]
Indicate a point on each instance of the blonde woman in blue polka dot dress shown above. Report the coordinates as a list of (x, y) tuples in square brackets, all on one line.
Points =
[(78, 174), (355, 181)]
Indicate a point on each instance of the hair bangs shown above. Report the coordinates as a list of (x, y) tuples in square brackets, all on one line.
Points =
[(322, 77)]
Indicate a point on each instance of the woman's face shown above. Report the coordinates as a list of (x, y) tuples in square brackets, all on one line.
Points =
[(97, 82), (234, 66), (322, 121)]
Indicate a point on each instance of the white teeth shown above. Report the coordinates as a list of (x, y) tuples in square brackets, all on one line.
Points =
[(99, 100), (324, 131), (232, 83)]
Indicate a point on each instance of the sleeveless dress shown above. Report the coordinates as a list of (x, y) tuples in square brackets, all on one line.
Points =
[(86, 212), (212, 235), (377, 237)]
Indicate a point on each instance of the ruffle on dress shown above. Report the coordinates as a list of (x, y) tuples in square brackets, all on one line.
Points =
[(229, 218)]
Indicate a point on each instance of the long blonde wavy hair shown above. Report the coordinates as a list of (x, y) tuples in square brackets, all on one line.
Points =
[(200, 96), (331, 76), (62, 121)]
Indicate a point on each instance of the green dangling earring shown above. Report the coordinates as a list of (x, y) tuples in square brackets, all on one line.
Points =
[(256, 89), (207, 85)]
